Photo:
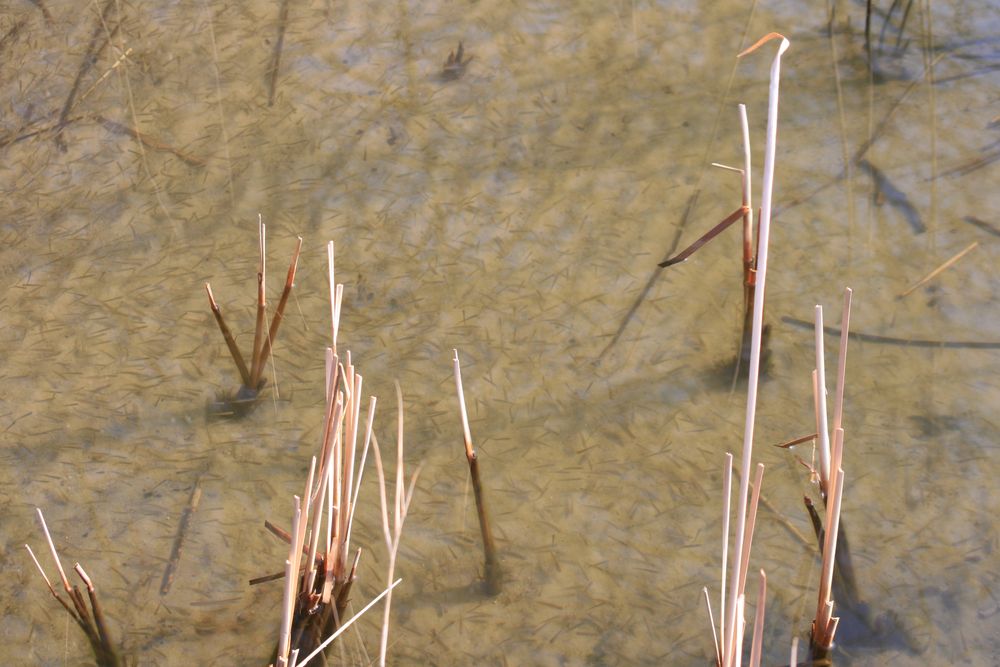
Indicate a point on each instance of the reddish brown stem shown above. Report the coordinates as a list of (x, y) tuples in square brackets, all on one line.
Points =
[(705, 238), (493, 576), (241, 365)]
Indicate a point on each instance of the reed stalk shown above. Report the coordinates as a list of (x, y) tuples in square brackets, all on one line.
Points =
[(401, 505), (734, 623), (493, 576), (252, 379)]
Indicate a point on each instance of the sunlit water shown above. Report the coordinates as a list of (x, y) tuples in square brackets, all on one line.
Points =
[(516, 214)]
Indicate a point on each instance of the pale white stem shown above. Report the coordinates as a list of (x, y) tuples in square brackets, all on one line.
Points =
[(361, 468), (384, 642), (747, 170), (347, 624), (262, 242), (736, 652), (822, 427), (727, 488), (382, 496), (793, 658), (711, 621), (836, 461), (52, 549), (41, 571), (751, 523), (758, 623), (334, 315), (758, 320), (400, 479), (466, 432), (317, 510)]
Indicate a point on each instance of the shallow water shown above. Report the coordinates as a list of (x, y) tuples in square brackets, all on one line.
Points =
[(515, 213)]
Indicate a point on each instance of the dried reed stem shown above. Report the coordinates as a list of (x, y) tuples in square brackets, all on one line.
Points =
[(493, 574), (735, 592), (756, 643), (819, 390), (258, 335), (401, 505), (825, 625), (711, 622), (845, 324), (279, 314), (727, 493), (234, 350), (347, 624)]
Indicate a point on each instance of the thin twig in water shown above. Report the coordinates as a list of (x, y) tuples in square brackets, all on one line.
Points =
[(89, 58), (148, 141), (182, 529), (933, 274)]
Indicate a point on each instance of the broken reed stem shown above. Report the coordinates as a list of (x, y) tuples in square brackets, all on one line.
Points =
[(819, 390), (751, 524), (493, 575), (825, 625), (756, 644), (845, 325), (234, 350), (735, 592), (711, 622), (727, 488), (279, 314), (258, 335), (336, 297)]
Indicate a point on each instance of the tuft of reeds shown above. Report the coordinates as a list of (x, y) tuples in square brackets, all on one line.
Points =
[(91, 620), (252, 379), (492, 574), (831, 482), (321, 566)]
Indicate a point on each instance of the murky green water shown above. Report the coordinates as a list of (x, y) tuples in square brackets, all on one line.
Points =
[(514, 213)]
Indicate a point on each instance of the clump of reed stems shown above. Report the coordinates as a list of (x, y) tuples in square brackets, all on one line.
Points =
[(728, 641), (321, 567), (252, 379), (492, 574), (831, 483), (91, 621)]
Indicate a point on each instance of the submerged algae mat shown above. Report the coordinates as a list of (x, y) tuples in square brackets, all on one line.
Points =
[(514, 212)]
